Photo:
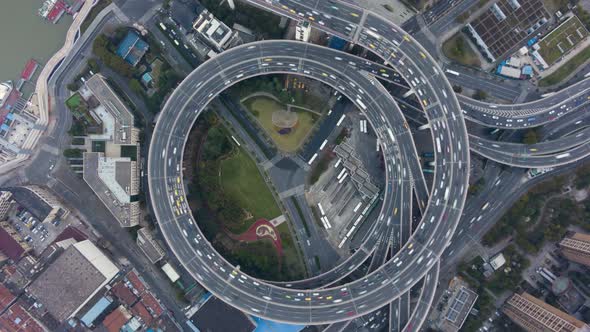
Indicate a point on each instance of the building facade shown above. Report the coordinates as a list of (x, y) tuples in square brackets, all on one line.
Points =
[(535, 315), (576, 248), (302, 31)]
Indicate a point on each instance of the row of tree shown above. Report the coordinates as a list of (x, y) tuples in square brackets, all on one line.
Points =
[(104, 49)]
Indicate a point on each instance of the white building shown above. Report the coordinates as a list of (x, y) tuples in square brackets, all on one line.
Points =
[(214, 32), (302, 31)]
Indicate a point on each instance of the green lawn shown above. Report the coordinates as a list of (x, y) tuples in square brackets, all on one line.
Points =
[(291, 258), (74, 102), (262, 108), (241, 179), (457, 49), (561, 40), (566, 69)]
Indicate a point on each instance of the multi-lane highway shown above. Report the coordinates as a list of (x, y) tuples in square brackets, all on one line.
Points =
[(316, 300), (332, 303)]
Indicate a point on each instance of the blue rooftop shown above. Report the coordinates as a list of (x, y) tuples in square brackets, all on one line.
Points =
[(337, 43), (147, 77), (95, 311), (132, 48), (263, 325)]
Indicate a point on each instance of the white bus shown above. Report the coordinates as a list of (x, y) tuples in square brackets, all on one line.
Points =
[(452, 72)]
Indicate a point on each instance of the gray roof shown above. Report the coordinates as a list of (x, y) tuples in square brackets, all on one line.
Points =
[(66, 284)]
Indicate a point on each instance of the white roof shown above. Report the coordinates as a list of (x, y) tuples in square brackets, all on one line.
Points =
[(497, 261), (101, 262), (170, 272)]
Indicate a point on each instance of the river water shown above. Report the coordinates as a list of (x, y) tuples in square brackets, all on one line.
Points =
[(24, 35)]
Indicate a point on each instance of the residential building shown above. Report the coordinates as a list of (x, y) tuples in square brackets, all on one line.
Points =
[(576, 248), (535, 315), (17, 318), (214, 32), (303, 31), (114, 321), (72, 280)]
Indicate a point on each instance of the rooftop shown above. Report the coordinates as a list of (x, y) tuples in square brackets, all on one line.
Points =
[(213, 30), (6, 297), (124, 294), (72, 279), (215, 316), (9, 246), (149, 246), (114, 106), (16, 318), (100, 174), (116, 319), (132, 48), (31, 202)]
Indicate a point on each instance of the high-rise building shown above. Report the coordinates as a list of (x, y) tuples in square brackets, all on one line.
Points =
[(302, 31), (576, 248), (5, 203), (535, 315)]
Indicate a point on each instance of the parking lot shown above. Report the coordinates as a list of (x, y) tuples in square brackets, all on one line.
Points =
[(36, 233)]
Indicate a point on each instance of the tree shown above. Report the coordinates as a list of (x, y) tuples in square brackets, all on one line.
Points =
[(72, 153), (93, 65), (530, 137), (457, 88), (135, 86), (480, 95), (72, 86), (463, 17)]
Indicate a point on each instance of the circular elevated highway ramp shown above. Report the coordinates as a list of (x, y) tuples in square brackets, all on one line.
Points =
[(330, 304)]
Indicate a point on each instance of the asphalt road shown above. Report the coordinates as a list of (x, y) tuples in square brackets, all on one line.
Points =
[(249, 295)]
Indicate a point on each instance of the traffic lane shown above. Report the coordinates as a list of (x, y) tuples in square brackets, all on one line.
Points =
[(394, 322), (297, 11), (537, 161), (542, 148), (475, 82), (425, 301)]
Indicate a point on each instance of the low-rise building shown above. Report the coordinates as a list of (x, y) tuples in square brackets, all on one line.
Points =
[(218, 35), (303, 31), (114, 321), (6, 298), (72, 280), (132, 48), (497, 261), (149, 246), (458, 301), (17, 318)]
